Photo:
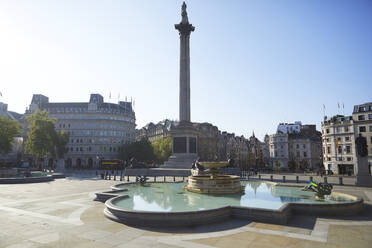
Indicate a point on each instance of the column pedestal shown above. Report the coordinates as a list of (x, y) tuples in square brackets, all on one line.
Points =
[(363, 178), (184, 147)]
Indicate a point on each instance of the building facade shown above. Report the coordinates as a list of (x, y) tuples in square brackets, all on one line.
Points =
[(362, 118), (296, 149), (279, 154), (97, 129), (338, 140), (289, 127)]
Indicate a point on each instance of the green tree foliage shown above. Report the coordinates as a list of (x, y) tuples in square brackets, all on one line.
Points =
[(43, 139), (162, 149), (140, 150), (292, 165), (8, 130), (61, 141)]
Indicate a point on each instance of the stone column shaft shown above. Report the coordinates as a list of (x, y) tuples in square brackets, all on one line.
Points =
[(184, 78)]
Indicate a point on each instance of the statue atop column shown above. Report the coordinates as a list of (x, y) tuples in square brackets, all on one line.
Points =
[(185, 19), (184, 27)]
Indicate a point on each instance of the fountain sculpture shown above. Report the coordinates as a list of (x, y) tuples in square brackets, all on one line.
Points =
[(214, 183)]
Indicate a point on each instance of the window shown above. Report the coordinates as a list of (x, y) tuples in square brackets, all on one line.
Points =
[(304, 146), (362, 109), (346, 129), (328, 149), (361, 117), (370, 107), (327, 139), (72, 149), (327, 130), (362, 129), (347, 138), (337, 129), (371, 139), (81, 149), (281, 147), (348, 149), (297, 146), (370, 128), (370, 116), (339, 138), (305, 154), (297, 153), (339, 149), (349, 159)]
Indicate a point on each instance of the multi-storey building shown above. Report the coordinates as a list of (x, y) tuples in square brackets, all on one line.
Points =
[(278, 145), (207, 141), (339, 134), (296, 149), (157, 131), (97, 129), (289, 127), (338, 138), (362, 117), (212, 143)]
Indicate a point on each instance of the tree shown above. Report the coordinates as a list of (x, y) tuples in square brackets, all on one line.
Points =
[(162, 149), (9, 129), (42, 139), (292, 165), (140, 150), (61, 141), (277, 164)]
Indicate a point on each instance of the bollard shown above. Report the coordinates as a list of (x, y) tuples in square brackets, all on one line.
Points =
[(183, 179), (114, 177), (271, 178), (283, 179), (121, 177), (297, 179), (127, 178), (174, 178), (311, 178), (109, 176), (154, 178), (325, 180), (340, 180), (164, 179)]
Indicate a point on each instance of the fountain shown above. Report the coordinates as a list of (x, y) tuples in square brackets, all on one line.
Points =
[(214, 183)]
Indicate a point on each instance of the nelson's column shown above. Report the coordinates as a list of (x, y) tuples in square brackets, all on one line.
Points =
[(184, 135)]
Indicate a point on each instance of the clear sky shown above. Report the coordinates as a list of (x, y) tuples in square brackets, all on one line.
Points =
[(253, 63)]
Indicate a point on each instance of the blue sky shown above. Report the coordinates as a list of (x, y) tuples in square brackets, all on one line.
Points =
[(254, 64)]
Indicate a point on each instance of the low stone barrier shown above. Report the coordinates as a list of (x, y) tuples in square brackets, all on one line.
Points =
[(40, 179)]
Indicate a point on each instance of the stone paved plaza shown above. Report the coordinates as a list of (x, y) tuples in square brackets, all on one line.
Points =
[(62, 213)]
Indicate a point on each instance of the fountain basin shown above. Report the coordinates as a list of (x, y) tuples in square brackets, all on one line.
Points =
[(167, 204)]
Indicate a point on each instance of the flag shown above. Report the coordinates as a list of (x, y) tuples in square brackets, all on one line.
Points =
[(126, 98), (338, 104), (110, 95)]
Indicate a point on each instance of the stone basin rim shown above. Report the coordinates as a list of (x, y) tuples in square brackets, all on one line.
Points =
[(207, 216)]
